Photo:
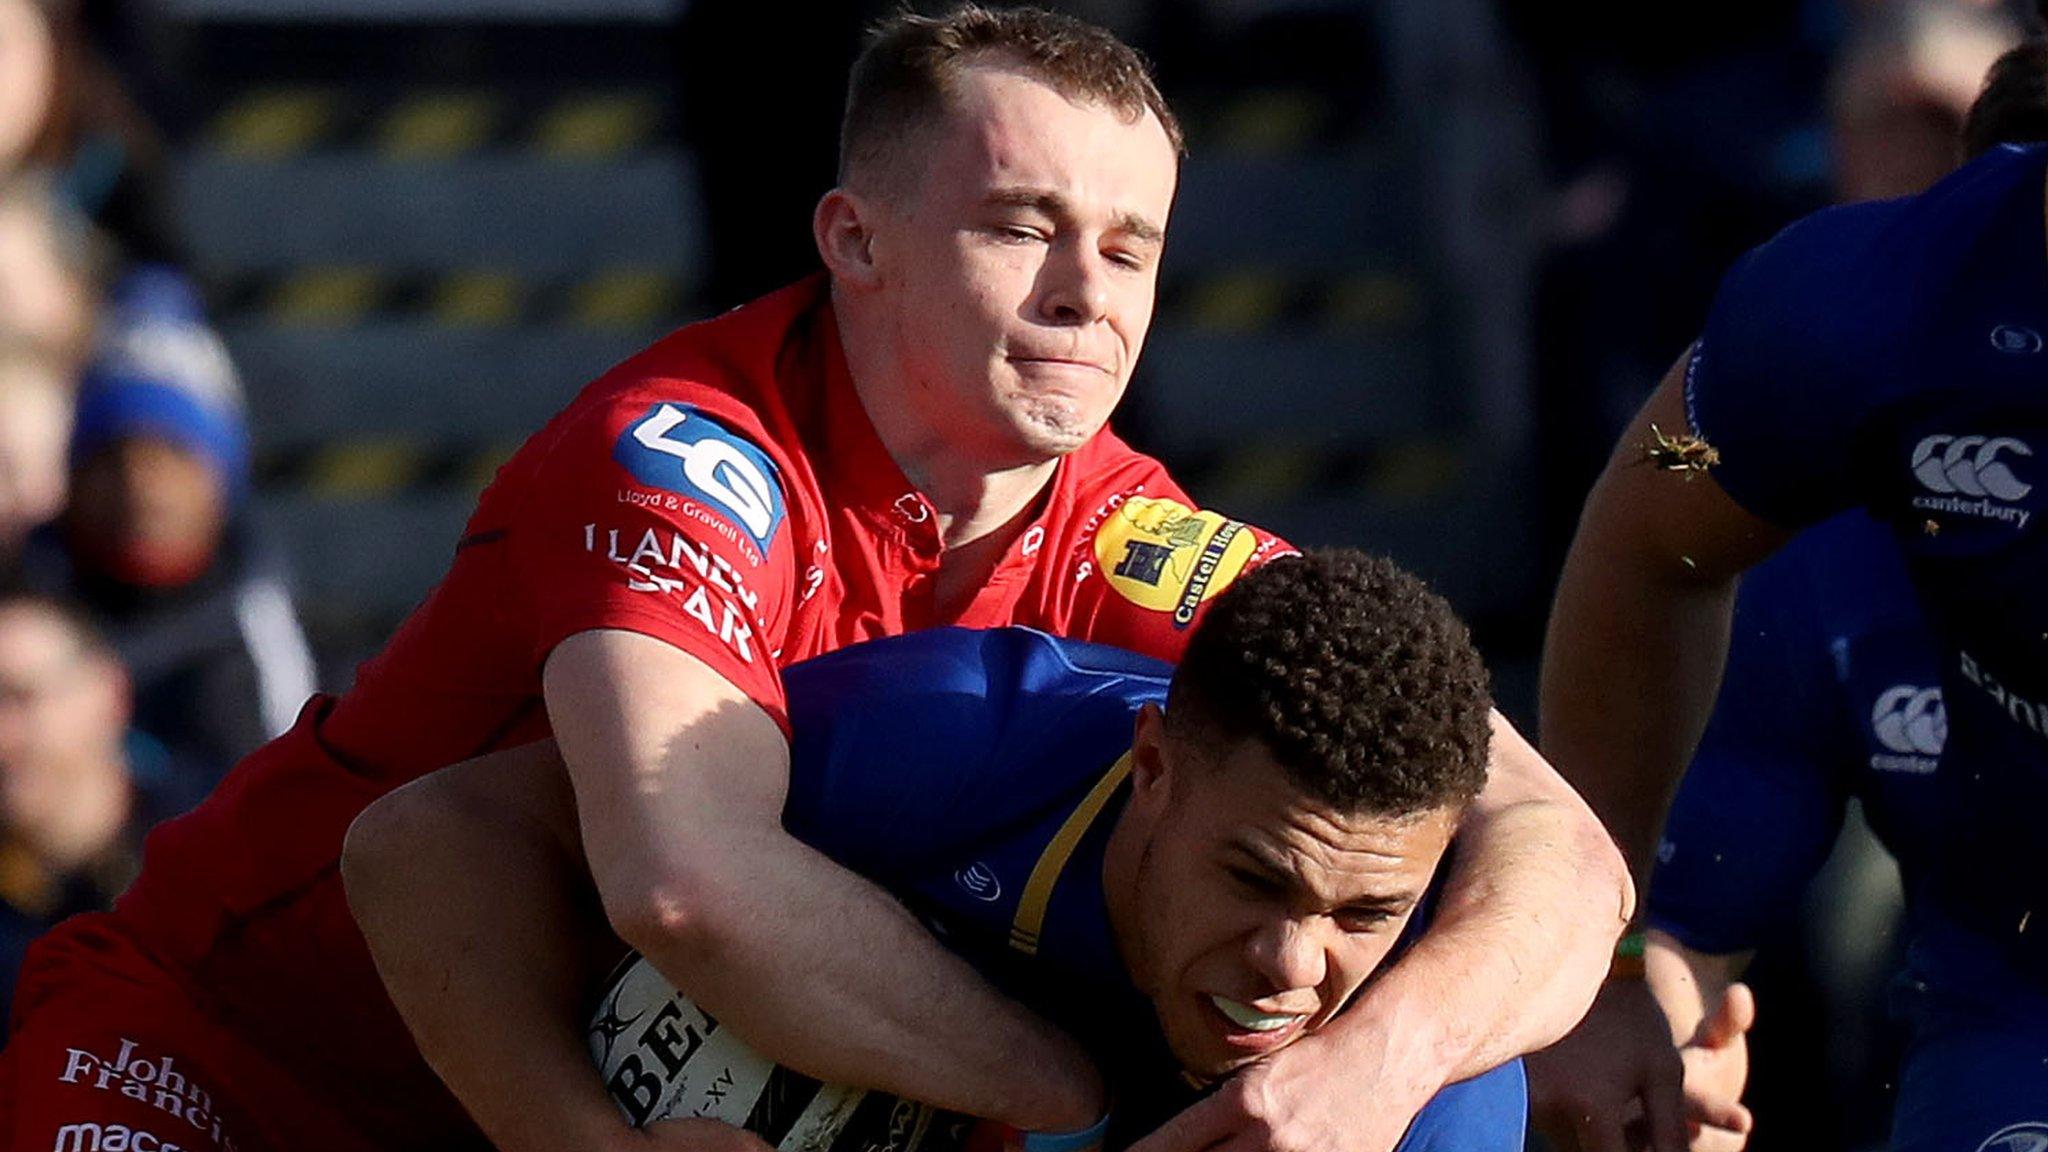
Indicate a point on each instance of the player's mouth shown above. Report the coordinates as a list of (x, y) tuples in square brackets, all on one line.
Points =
[(1245, 1027), (1059, 364)]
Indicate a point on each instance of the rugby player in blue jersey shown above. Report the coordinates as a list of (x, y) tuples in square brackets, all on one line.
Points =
[(1887, 356), (1831, 692), (1185, 890)]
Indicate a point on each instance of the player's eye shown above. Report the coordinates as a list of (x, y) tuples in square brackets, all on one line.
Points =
[(1254, 882), (1361, 920), (1020, 233)]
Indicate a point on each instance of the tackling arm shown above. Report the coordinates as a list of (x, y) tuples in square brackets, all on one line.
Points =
[(470, 883), (459, 884), (680, 781), (1535, 899)]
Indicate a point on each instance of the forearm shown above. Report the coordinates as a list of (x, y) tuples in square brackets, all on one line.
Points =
[(680, 782), (906, 1016), (474, 925), (1520, 939), (1519, 943)]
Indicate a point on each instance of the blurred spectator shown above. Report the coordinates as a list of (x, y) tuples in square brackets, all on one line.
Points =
[(72, 813), (35, 426), (2013, 108), (46, 285), (28, 78), (1901, 89), (156, 540), (63, 111), (45, 323)]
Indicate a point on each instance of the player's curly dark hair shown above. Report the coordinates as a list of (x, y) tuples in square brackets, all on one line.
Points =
[(2013, 106), (902, 75), (1360, 680)]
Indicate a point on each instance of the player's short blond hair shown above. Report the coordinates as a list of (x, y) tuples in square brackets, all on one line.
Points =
[(903, 77)]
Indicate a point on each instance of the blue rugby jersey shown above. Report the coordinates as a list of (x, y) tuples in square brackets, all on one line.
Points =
[(1890, 356), (1832, 691), (976, 775)]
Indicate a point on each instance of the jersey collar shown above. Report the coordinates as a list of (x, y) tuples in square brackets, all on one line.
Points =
[(859, 472)]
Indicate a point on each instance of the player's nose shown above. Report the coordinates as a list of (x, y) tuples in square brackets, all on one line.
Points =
[(1073, 285), (1287, 953)]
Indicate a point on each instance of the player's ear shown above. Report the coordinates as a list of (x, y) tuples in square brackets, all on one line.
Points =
[(1149, 753), (840, 225)]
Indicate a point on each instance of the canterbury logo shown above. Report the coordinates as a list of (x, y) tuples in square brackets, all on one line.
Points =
[(2031, 1137), (1909, 720), (1970, 466)]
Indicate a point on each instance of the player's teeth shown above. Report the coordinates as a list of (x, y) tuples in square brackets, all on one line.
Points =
[(1245, 1016)]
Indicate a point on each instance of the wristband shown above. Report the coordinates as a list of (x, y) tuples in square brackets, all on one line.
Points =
[(1628, 957), (1067, 1141)]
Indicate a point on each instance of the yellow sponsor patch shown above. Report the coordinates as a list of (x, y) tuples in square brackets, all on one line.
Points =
[(1166, 556)]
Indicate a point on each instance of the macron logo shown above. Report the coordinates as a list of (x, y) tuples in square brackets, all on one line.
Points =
[(1971, 476)]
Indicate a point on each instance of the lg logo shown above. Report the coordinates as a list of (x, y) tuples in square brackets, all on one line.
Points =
[(1970, 466), (716, 465), (1909, 719)]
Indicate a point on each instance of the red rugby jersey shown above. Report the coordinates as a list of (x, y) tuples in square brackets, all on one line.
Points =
[(722, 491)]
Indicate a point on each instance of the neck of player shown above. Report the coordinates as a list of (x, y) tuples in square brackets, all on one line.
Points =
[(980, 501)]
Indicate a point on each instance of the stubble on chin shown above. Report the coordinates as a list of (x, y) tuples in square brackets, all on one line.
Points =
[(1052, 427)]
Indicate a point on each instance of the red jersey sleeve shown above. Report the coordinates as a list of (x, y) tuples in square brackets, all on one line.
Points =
[(665, 515), (1150, 562)]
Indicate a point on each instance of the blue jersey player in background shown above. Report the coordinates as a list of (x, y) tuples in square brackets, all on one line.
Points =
[(1832, 692), (1887, 356), (1186, 874)]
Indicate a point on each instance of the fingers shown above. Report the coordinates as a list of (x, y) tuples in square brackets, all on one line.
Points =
[(1711, 1139), (1731, 1019), (1711, 1111), (1741, 1004)]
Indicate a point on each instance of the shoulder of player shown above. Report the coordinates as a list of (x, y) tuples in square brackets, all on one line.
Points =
[(728, 367), (1822, 304), (1106, 472), (1838, 262), (1865, 261)]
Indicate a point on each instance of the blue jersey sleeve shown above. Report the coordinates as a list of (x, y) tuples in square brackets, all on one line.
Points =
[(1487, 1113), (1763, 800), (904, 751), (1784, 373)]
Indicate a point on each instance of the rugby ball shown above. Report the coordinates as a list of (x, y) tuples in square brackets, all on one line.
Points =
[(665, 1058)]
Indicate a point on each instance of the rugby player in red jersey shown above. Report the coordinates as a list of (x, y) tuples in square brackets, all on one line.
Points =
[(915, 439)]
